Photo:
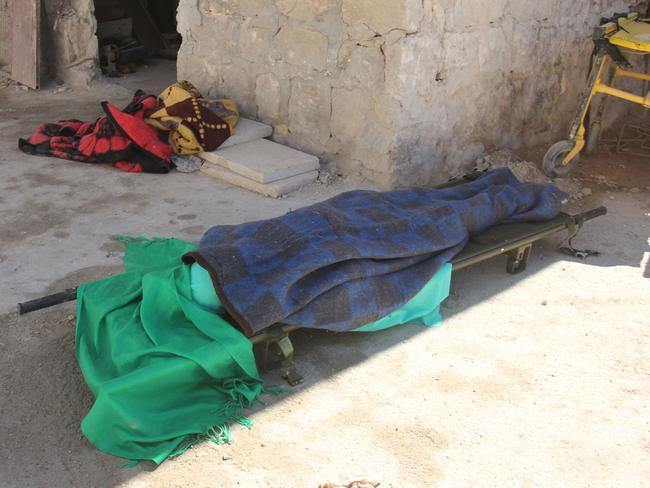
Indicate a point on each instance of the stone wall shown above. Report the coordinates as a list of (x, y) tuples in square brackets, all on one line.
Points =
[(69, 52), (402, 91), (69, 44), (5, 33)]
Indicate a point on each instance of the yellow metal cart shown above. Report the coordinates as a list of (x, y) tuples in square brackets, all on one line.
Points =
[(623, 31)]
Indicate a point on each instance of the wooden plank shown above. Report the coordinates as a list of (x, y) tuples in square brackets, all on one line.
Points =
[(26, 52)]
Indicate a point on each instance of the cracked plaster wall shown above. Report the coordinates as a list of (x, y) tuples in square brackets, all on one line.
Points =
[(69, 51), (5, 33), (69, 44), (402, 91)]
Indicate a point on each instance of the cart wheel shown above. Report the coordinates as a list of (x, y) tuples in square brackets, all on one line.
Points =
[(553, 158)]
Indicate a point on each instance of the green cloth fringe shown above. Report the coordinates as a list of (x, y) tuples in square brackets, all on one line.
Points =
[(165, 372)]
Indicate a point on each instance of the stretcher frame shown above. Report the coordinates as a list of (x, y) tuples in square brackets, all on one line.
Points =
[(514, 240)]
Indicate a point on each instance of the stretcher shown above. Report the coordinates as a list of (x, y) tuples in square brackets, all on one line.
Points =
[(514, 240), (614, 36)]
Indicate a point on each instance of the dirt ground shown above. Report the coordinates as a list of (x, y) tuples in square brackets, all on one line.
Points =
[(539, 379)]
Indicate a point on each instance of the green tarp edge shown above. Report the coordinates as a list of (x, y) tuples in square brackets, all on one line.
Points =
[(422, 309), (166, 371)]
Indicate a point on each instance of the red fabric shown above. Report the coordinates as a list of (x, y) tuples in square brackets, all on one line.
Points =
[(120, 138), (129, 167), (139, 132)]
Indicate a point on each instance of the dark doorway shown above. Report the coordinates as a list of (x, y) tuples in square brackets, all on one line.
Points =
[(131, 32)]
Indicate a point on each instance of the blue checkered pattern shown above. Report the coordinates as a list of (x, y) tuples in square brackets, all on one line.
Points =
[(350, 260)]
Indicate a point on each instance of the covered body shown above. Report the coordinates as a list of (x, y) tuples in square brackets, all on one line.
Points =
[(355, 258)]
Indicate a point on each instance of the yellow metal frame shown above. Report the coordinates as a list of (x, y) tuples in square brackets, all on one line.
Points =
[(631, 33)]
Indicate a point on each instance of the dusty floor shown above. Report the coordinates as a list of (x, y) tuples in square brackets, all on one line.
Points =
[(540, 379)]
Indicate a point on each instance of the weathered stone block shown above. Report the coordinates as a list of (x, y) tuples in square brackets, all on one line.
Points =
[(268, 97), (262, 160), (256, 45), (275, 189), (310, 109), (363, 66), (401, 91), (246, 131), (302, 47), (349, 111), (383, 16)]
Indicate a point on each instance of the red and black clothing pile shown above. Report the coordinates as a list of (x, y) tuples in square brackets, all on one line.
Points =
[(119, 137), (143, 136)]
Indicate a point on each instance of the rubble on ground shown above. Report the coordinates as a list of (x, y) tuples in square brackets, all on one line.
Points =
[(529, 171), (362, 483), (328, 177)]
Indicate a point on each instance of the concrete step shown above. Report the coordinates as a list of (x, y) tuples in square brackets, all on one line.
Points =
[(247, 130), (263, 161), (274, 189)]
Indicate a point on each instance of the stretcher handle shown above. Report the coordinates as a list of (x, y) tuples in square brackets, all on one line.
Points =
[(44, 302), (591, 214), (71, 293)]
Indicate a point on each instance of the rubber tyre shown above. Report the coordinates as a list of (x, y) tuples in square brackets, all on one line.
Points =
[(552, 163)]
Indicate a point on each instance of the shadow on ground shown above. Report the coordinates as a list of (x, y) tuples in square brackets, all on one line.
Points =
[(45, 397)]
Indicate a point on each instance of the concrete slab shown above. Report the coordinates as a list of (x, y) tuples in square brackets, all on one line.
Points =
[(274, 189), (247, 130), (263, 161)]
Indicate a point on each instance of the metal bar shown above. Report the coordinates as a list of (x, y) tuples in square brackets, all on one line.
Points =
[(587, 94), (577, 132), (578, 219), (632, 74), (456, 265), (268, 336), (71, 293), (615, 92), (47, 301)]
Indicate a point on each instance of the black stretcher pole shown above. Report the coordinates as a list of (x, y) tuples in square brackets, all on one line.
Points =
[(71, 293), (48, 301)]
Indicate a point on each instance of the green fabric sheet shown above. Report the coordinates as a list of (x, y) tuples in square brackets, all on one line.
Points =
[(422, 309), (164, 371)]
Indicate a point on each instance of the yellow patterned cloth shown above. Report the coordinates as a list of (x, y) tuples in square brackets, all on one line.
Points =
[(194, 123)]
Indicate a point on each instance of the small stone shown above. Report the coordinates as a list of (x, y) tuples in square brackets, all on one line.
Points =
[(226, 457), (586, 191), (635, 190), (612, 197), (544, 303), (70, 318)]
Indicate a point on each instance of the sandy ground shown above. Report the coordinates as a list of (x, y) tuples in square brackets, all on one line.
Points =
[(540, 379)]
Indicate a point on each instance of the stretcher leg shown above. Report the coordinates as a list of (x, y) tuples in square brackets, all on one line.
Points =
[(277, 338), (518, 259)]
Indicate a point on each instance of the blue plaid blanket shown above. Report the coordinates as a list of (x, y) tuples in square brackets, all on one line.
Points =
[(352, 259)]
